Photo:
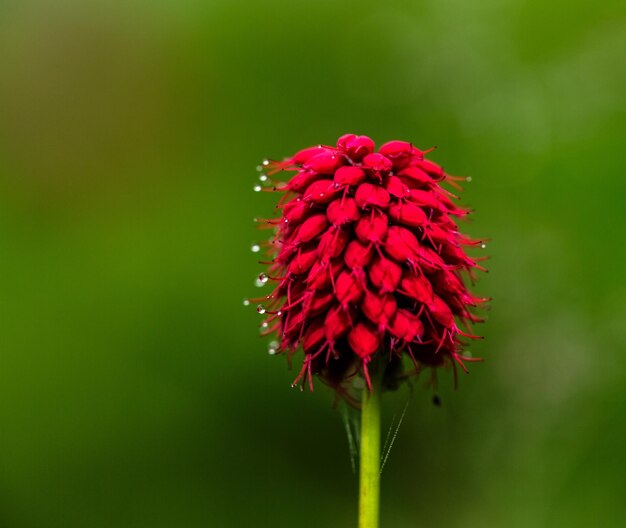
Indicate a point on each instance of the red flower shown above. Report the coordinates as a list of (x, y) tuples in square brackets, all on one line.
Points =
[(367, 261)]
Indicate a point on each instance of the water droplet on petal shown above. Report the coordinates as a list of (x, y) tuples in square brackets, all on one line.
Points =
[(266, 162), (263, 277), (263, 178), (259, 168), (468, 179), (260, 309), (255, 248), (246, 302), (257, 188), (272, 348), (483, 246), (264, 324)]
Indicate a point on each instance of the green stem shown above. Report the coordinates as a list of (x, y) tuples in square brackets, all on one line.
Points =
[(369, 479)]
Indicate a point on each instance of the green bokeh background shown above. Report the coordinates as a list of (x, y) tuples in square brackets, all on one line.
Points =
[(134, 389)]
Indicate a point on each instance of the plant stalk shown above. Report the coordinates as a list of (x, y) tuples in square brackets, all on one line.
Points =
[(369, 477)]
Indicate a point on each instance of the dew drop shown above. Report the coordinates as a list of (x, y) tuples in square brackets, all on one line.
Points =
[(272, 348), (264, 324), (246, 302), (468, 353), (483, 246), (265, 162), (260, 309), (259, 168), (263, 177), (263, 277), (257, 188), (468, 179), (255, 248)]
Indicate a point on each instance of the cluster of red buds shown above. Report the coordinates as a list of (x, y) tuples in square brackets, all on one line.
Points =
[(367, 262)]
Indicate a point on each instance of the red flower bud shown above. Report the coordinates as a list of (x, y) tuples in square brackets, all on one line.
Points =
[(343, 211), (400, 153), (358, 254), (349, 175), (347, 288), (302, 262), (367, 261), (385, 274), (406, 326), (408, 214), (306, 154), (401, 244), (356, 147), (368, 195), (377, 165), (332, 243), (321, 192), (373, 227), (417, 287), (337, 323), (379, 309), (302, 180), (363, 340), (325, 162), (396, 187), (313, 336), (310, 228)]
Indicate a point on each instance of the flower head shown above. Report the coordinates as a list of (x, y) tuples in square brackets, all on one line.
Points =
[(367, 262)]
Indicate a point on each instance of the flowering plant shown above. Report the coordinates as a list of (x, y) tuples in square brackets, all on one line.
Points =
[(369, 268)]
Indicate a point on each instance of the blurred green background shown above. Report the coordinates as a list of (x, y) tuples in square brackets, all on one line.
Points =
[(134, 389)]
